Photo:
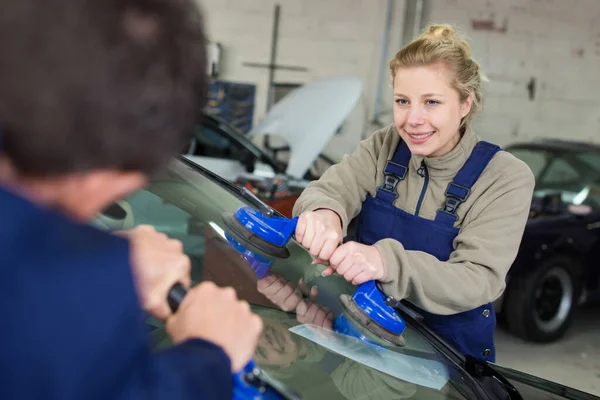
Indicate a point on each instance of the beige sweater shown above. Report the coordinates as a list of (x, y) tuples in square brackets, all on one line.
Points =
[(491, 221)]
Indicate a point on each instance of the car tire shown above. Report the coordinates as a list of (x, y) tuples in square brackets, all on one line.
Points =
[(540, 306)]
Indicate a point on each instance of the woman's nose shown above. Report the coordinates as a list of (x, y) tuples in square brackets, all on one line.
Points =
[(415, 116)]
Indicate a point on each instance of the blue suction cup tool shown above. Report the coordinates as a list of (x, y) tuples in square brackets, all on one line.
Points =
[(263, 231), (259, 264), (250, 383), (243, 389), (368, 307)]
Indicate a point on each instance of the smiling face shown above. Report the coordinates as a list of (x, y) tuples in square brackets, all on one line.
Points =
[(427, 109)]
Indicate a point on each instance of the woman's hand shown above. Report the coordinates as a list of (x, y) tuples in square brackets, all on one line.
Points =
[(308, 312), (357, 263), (320, 232), (289, 298), (279, 292)]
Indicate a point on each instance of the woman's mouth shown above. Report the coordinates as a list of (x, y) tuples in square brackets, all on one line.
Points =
[(419, 137)]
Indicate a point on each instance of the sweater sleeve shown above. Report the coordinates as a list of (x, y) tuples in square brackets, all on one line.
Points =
[(76, 328), (344, 186), (193, 369), (484, 250)]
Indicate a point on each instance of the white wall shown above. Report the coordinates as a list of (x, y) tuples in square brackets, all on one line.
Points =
[(555, 41), (329, 37)]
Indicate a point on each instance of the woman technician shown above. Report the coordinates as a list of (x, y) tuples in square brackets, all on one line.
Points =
[(440, 213)]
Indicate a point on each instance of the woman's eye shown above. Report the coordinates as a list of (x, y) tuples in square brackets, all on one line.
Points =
[(432, 102), (401, 102)]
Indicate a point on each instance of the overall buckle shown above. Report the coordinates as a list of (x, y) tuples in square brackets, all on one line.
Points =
[(457, 191), (387, 191), (390, 183), (455, 195), (451, 205), (393, 174)]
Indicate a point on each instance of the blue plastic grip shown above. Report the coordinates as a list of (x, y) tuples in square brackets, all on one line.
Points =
[(275, 230), (241, 389), (372, 301), (259, 264)]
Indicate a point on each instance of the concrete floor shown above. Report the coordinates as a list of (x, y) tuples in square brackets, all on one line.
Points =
[(573, 361)]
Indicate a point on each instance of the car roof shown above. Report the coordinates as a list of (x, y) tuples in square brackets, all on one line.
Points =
[(556, 145)]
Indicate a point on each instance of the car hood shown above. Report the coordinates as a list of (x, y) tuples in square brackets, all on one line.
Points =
[(308, 117)]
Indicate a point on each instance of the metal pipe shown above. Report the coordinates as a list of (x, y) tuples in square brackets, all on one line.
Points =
[(383, 61), (275, 36)]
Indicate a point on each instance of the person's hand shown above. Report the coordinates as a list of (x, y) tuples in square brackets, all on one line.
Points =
[(157, 264), (357, 263), (320, 232), (308, 312), (288, 298), (280, 292), (216, 315)]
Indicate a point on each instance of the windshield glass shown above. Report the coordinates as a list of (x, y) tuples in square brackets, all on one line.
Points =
[(576, 175), (297, 347)]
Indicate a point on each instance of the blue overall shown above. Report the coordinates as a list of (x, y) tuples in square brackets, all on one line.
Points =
[(470, 332), (73, 327)]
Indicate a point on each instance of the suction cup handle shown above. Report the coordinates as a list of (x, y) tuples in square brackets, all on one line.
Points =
[(371, 299), (242, 390), (176, 295)]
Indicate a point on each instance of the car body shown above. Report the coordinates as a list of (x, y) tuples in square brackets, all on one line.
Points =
[(297, 349), (300, 125), (222, 149), (557, 267)]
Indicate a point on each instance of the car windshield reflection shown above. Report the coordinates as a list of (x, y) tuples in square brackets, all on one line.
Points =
[(298, 346), (573, 174)]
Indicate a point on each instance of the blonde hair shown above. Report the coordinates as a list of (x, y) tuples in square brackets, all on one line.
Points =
[(441, 43)]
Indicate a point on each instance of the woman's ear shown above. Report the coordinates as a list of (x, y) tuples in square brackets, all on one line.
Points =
[(465, 106)]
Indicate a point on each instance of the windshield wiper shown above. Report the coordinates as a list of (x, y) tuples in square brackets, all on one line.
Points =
[(256, 202)]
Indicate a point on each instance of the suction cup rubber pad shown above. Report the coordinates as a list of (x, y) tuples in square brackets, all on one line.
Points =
[(254, 241), (358, 316)]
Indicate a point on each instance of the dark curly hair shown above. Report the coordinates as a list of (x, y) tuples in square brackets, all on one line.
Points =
[(97, 84)]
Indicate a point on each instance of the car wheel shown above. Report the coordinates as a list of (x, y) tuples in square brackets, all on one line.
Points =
[(540, 305)]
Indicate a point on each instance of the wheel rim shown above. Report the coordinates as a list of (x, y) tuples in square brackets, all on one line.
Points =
[(553, 299)]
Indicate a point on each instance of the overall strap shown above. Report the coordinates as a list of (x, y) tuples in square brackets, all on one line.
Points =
[(395, 170), (459, 189)]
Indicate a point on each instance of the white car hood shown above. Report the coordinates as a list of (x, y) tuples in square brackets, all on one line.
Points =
[(308, 117)]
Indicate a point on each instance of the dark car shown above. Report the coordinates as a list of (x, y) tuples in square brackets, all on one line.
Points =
[(298, 349), (557, 268)]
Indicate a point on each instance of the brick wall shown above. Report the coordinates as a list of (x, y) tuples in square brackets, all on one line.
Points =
[(555, 43)]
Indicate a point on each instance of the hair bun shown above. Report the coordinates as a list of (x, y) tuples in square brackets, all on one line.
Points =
[(440, 32), (446, 33)]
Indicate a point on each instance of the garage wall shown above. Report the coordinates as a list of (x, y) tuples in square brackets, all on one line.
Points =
[(555, 42), (328, 37), (542, 57)]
